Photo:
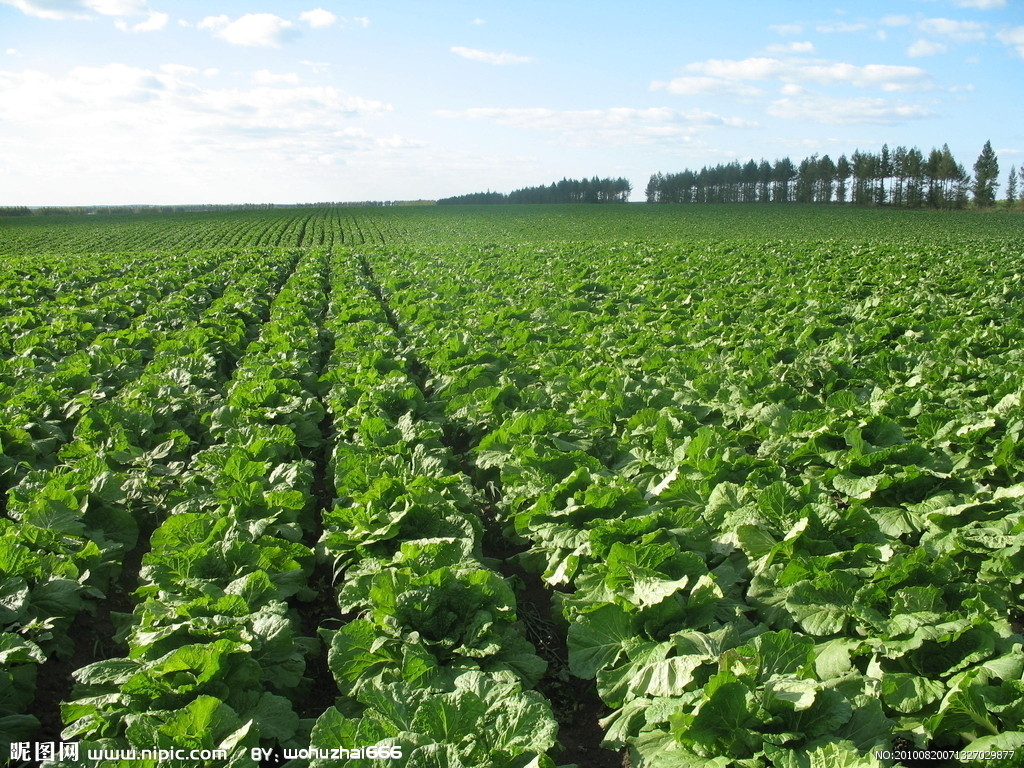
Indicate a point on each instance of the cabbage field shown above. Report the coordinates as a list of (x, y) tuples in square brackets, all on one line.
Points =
[(513, 487)]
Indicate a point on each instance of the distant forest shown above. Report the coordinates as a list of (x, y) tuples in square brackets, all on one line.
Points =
[(593, 190), (64, 210), (901, 177)]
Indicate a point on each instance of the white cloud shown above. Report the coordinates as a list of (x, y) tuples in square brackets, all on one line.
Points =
[(691, 86), (489, 57), (57, 10), (134, 110), (886, 77), (13, 52), (921, 48), (118, 7), (119, 133), (154, 23), (214, 22), (616, 126), (477, 22), (27, 97), (318, 18), (833, 111), (252, 29), (178, 70), (1014, 38), (794, 47), (786, 29), (266, 77), (132, 96), (399, 142), (960, 31), (984, 5), (895, 20), (841, 26), (318, 67)]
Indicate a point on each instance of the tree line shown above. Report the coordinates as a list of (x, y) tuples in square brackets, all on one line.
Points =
[(901, 177), (65, 210), (593, 190)]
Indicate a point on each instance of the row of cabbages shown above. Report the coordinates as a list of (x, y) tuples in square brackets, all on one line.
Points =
[(757, 558), (70, 526), (68, 353), (211, 654), (433, 661)]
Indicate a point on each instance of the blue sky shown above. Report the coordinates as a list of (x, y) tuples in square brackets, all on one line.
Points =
[(146, 101)]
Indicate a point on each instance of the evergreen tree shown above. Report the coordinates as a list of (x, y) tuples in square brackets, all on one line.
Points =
[(653, 190), (842, 174), (913, 171), (933, 172), (1011, 188), (883, 170), (783, 174), (986, 171), (865, 173), (962, 186), (953, 179), (732, 182), (764, 181), (807, 175), (749, 179), (826, 175), (899, 170)]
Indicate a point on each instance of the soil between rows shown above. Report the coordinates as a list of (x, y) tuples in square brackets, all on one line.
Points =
[(574, 701)]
